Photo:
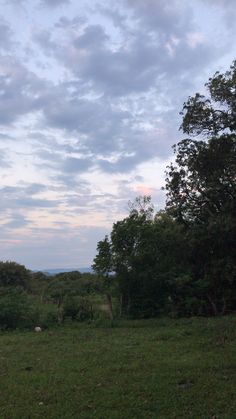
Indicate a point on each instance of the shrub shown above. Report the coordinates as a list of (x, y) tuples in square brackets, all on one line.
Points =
[(16, 310), (78, 308), (47, 315)]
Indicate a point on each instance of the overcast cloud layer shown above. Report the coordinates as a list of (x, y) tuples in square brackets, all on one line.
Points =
[(90, 94)]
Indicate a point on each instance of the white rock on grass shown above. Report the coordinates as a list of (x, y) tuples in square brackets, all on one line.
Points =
[(37, 329)]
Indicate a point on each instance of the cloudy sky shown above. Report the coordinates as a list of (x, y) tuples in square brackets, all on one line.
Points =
[(90, 94)]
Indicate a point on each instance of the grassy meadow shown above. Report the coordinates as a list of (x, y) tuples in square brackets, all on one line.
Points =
[(161, 368)]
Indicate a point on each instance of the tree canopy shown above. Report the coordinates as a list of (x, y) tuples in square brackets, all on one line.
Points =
[(215, 113), (201, 183), (13, 274), (182, 259)]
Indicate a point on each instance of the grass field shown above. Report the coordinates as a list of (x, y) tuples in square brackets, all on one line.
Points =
[(139, 369)]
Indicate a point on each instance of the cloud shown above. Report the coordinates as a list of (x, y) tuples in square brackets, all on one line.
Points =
[(195, 38), (5, 137), (47, 248), (4, 161), (5, 36), (121, 165), (144, 190), (117, 73), (228, 4), (156, 44), (149, 71), (17, 3), (16, 221), (89, 102), (116, 16), (96, 121), (20, 90), (107, 83), (227, 10), (54, 3), (105, 138), (93, 34), (24, 197), (161, 16), (73, 164), (73, 24)]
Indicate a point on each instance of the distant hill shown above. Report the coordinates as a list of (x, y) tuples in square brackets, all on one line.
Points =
[(62, 270)]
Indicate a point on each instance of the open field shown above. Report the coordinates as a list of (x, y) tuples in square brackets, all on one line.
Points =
[(139, 369)]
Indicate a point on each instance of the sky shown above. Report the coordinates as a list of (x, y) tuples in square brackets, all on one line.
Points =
[(90, 95)]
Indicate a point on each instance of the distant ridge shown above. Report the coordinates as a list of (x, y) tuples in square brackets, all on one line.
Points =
[(62, 270)]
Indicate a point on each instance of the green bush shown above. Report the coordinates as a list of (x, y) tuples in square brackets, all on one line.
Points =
[(78, 308), (47, 315), (16, 309)]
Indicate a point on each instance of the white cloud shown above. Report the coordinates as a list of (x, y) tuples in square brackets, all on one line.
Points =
[(90, 96), (195, 39)]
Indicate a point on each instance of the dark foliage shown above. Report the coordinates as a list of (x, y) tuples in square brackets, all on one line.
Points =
[(13, 274), (182, 261)]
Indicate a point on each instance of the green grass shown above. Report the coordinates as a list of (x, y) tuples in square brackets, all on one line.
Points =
[(140, 369)]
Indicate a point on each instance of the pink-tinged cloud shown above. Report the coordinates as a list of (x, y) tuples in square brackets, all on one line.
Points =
[(195, 38), (144, 190)]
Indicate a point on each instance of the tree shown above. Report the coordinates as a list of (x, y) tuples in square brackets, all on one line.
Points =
[(202, 184), (142, 206), (103, 267), (201, 189), (119, 257), (13, 274), (131, 247), (172, 268), (182, 259), (148, 256), (103, 261), (215, 114)]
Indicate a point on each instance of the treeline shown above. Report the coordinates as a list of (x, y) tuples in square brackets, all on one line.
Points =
[(29, 299), (181, 261)]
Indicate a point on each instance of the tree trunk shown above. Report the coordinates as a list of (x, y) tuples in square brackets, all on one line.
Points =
[(224, 306), (121, 305), (213, 305), (59, 312), (109, 304)]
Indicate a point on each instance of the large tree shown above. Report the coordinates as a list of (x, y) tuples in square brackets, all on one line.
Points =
[(212, 114), (202, 182), (13, 274), (182, 259), (103, 266), (142, 255), (201, 188), (133, 251)]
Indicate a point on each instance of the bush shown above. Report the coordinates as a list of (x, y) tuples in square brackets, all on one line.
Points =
[(78, 308), (47, 315), (16, 310)]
